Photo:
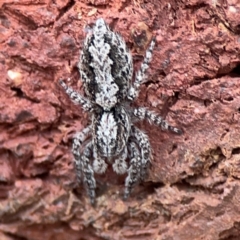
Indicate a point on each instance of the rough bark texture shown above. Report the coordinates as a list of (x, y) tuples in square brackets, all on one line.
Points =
[(193, 189)]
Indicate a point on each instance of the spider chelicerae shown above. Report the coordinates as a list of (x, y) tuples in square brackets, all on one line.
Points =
[(106, 70)]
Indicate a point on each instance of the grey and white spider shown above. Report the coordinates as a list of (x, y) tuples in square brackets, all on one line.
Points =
[(106, 70)]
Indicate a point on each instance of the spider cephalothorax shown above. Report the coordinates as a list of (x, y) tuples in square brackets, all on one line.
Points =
[(106, 70)]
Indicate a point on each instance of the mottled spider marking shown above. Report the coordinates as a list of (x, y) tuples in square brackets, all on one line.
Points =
[(76, 97), (134, 171), (111, 131), (153, 118), (141, 73), (105, 66), (88, 173), (78, 140), (106, 70), (120, 165), (145, 148)]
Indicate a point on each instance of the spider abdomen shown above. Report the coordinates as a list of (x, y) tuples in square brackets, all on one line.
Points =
[(111, 131)]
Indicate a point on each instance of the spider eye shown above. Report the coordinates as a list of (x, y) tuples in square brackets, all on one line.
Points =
[(112, 142)]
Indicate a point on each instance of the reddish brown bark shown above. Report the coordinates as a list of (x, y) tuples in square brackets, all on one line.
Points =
[(193, 187)]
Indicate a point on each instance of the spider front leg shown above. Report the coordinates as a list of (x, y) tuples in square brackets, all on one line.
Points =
[(144, 145), (152, 117), (76, 97), (140, 75), (134, 171)]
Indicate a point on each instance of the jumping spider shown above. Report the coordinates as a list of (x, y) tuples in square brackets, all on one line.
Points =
[(106, 70)]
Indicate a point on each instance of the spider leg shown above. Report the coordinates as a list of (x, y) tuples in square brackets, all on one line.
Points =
[(120, 165), (152, 117), (76, 97), (134, 170), (82, 163), (88, 173), (140, 75), (144, 145), (78, 140)]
